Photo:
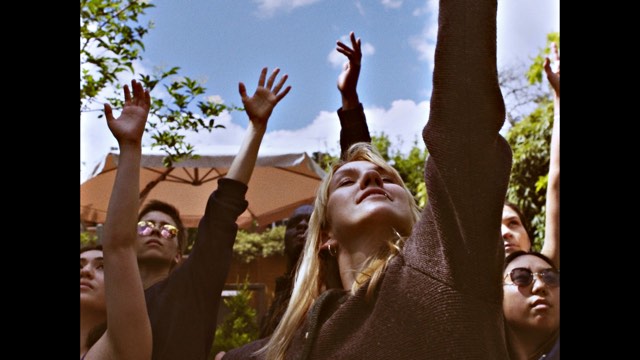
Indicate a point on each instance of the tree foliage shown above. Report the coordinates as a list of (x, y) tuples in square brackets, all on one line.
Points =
[(240, 326), (111, 41), (410, 166), (250, 245), (88, 239), (530, 142)]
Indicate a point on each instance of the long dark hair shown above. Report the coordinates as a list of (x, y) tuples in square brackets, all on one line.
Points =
[(525, 222)]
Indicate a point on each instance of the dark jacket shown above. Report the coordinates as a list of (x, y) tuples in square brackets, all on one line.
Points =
[(183, 308)]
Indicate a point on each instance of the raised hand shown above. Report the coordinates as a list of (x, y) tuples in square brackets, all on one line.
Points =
[(348, 79), (129, 127), (260, 106), (552, 68)]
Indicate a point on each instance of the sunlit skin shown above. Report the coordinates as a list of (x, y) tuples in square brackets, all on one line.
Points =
[(365, 202), (92, 280), (533, 311), (514, 234), (155, 248), (93, 306)]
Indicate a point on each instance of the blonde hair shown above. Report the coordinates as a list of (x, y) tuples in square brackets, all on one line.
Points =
[(308, 280)]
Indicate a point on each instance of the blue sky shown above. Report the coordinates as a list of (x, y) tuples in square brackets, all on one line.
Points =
[(224, 42)]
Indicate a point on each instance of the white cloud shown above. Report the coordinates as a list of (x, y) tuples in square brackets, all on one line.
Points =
[(391, 4), (429, 7), (215, 99), (425, 42), (522, 28), (360, 7), (402, 122), (336, 59), (269, 7)]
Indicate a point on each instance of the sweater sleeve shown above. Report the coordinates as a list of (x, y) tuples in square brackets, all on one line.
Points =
[(353, 129), (458, 240), (183, 308)]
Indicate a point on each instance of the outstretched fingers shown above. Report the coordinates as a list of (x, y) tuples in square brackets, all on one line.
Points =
[(127, 94), (355, 43), (283, 94), (263, 76), (280, 83), (272, 78), (353, 53)]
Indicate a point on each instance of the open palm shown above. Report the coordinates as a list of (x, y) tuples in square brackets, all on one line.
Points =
[(260, 106), (129, 126)]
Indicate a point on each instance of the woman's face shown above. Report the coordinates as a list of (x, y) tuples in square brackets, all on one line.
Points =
[(365, 197), (534, 306), (513, 232), (92, 279)]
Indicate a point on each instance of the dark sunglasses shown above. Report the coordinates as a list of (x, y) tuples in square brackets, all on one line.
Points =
[(524, 277), (167, 231)]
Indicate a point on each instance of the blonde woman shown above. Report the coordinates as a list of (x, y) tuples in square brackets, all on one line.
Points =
[(412, 286)]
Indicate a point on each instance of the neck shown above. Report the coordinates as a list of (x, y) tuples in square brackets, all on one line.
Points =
[(89, 318), (153, 271), (352, 254), (531, 344)]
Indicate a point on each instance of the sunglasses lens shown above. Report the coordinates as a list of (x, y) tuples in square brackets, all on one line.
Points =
[(550, 277), (168, 231), (144, 228), (521, 276)]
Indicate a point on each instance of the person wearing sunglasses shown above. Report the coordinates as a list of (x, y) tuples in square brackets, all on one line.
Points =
[(162, 239), (531, 306), (183, 306)]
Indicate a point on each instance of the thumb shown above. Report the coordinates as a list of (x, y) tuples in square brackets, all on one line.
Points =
[(108, 112), (243, 90), (547, 66)]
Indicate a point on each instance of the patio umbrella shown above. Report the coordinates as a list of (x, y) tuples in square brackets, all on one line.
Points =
[(281, 181)]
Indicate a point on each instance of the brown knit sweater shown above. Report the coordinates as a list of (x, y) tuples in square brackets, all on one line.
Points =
[(442, 297)]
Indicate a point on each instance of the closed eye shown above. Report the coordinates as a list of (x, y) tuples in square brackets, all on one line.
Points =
[(345, 182)]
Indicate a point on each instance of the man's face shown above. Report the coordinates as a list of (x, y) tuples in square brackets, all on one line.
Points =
[(295, 235), (154, 246)]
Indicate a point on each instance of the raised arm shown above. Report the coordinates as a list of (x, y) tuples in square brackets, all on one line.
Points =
[(551, 246), (197, 284), (352, 120), (259, 108), (458, 238), (128, 334)]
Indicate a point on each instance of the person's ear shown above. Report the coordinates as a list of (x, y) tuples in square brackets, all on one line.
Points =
[(327, 239)]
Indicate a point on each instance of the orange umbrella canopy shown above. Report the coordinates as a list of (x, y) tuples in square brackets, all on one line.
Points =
[(281, 181)]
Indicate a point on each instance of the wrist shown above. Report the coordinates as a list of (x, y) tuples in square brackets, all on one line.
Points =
[(129, 145), (257, 127), (350, 101)]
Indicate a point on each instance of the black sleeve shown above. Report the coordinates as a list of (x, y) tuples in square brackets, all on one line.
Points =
[(353, 128)]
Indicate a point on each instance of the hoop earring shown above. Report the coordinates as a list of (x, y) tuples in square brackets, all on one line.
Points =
[(334, 252)]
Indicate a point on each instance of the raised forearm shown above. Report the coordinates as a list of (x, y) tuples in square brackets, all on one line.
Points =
[(245, 161)]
